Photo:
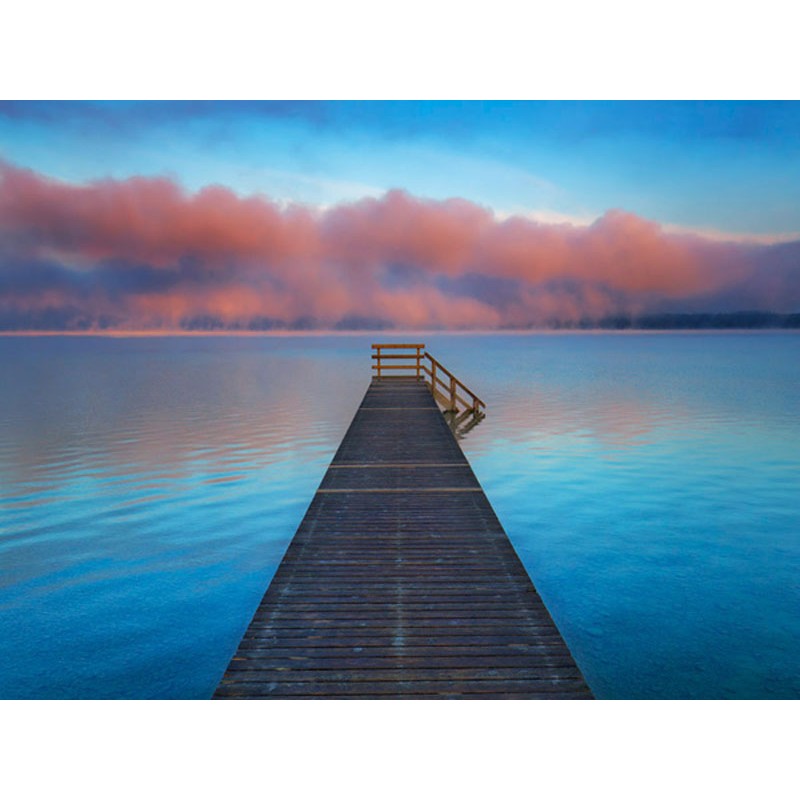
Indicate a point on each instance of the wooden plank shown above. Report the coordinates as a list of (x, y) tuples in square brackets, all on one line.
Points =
[(400, 581), (445, 688), (361, 695), (336, 658), (426, 464), (350, 674)]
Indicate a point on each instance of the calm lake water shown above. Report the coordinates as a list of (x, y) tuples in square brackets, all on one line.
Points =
[(649, 482)]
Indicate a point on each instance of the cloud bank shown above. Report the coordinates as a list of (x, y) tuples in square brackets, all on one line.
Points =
[(142, 254)]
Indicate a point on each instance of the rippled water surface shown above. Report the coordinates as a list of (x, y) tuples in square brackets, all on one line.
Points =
[(149, 487)]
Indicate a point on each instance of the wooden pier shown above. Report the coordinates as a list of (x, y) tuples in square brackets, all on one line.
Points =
[(400, 581)]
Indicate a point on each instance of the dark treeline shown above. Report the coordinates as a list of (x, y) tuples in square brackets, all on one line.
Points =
[(751, 320), (74, 320)]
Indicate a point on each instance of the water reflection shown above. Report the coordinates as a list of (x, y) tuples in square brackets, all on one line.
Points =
[(649, 484), (461, 424), (148, 489), (155, 483)]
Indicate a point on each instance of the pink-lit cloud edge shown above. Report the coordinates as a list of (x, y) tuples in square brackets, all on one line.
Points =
[(143, 254)]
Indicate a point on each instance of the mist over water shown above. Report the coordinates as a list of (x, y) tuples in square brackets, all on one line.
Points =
[(649, 482)]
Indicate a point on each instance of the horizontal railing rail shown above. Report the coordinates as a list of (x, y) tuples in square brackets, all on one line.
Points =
[(448, 390)]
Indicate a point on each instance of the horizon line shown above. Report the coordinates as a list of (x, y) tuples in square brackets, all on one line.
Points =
[(171, 333)]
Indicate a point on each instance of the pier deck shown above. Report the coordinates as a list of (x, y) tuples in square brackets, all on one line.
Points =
[(400, 581)]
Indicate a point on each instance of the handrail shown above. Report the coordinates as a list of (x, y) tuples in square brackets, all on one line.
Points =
[(475, 402), (379, 357), (450, 398)]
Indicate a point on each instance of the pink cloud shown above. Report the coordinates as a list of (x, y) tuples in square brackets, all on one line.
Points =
[(141, 253)]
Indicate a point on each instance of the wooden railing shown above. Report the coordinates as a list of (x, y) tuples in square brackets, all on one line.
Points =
[(450, 397), (448, 390), (415, 367)]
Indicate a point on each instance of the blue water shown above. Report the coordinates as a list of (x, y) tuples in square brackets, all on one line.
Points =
[(149, 487)]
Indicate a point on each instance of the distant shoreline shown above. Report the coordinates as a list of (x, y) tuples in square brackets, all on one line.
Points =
[(739, 322)]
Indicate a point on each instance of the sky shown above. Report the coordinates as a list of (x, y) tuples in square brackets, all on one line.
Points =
[(334, 215)]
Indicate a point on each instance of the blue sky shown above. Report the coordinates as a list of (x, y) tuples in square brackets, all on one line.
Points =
[(727, 167), (349, 215)]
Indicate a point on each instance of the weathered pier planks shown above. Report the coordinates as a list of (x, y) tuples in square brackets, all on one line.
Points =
[(400, 581)]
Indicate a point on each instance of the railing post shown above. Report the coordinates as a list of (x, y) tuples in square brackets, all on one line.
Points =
[(433, 376), (452, 393), (419, 356), (379, 362)]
